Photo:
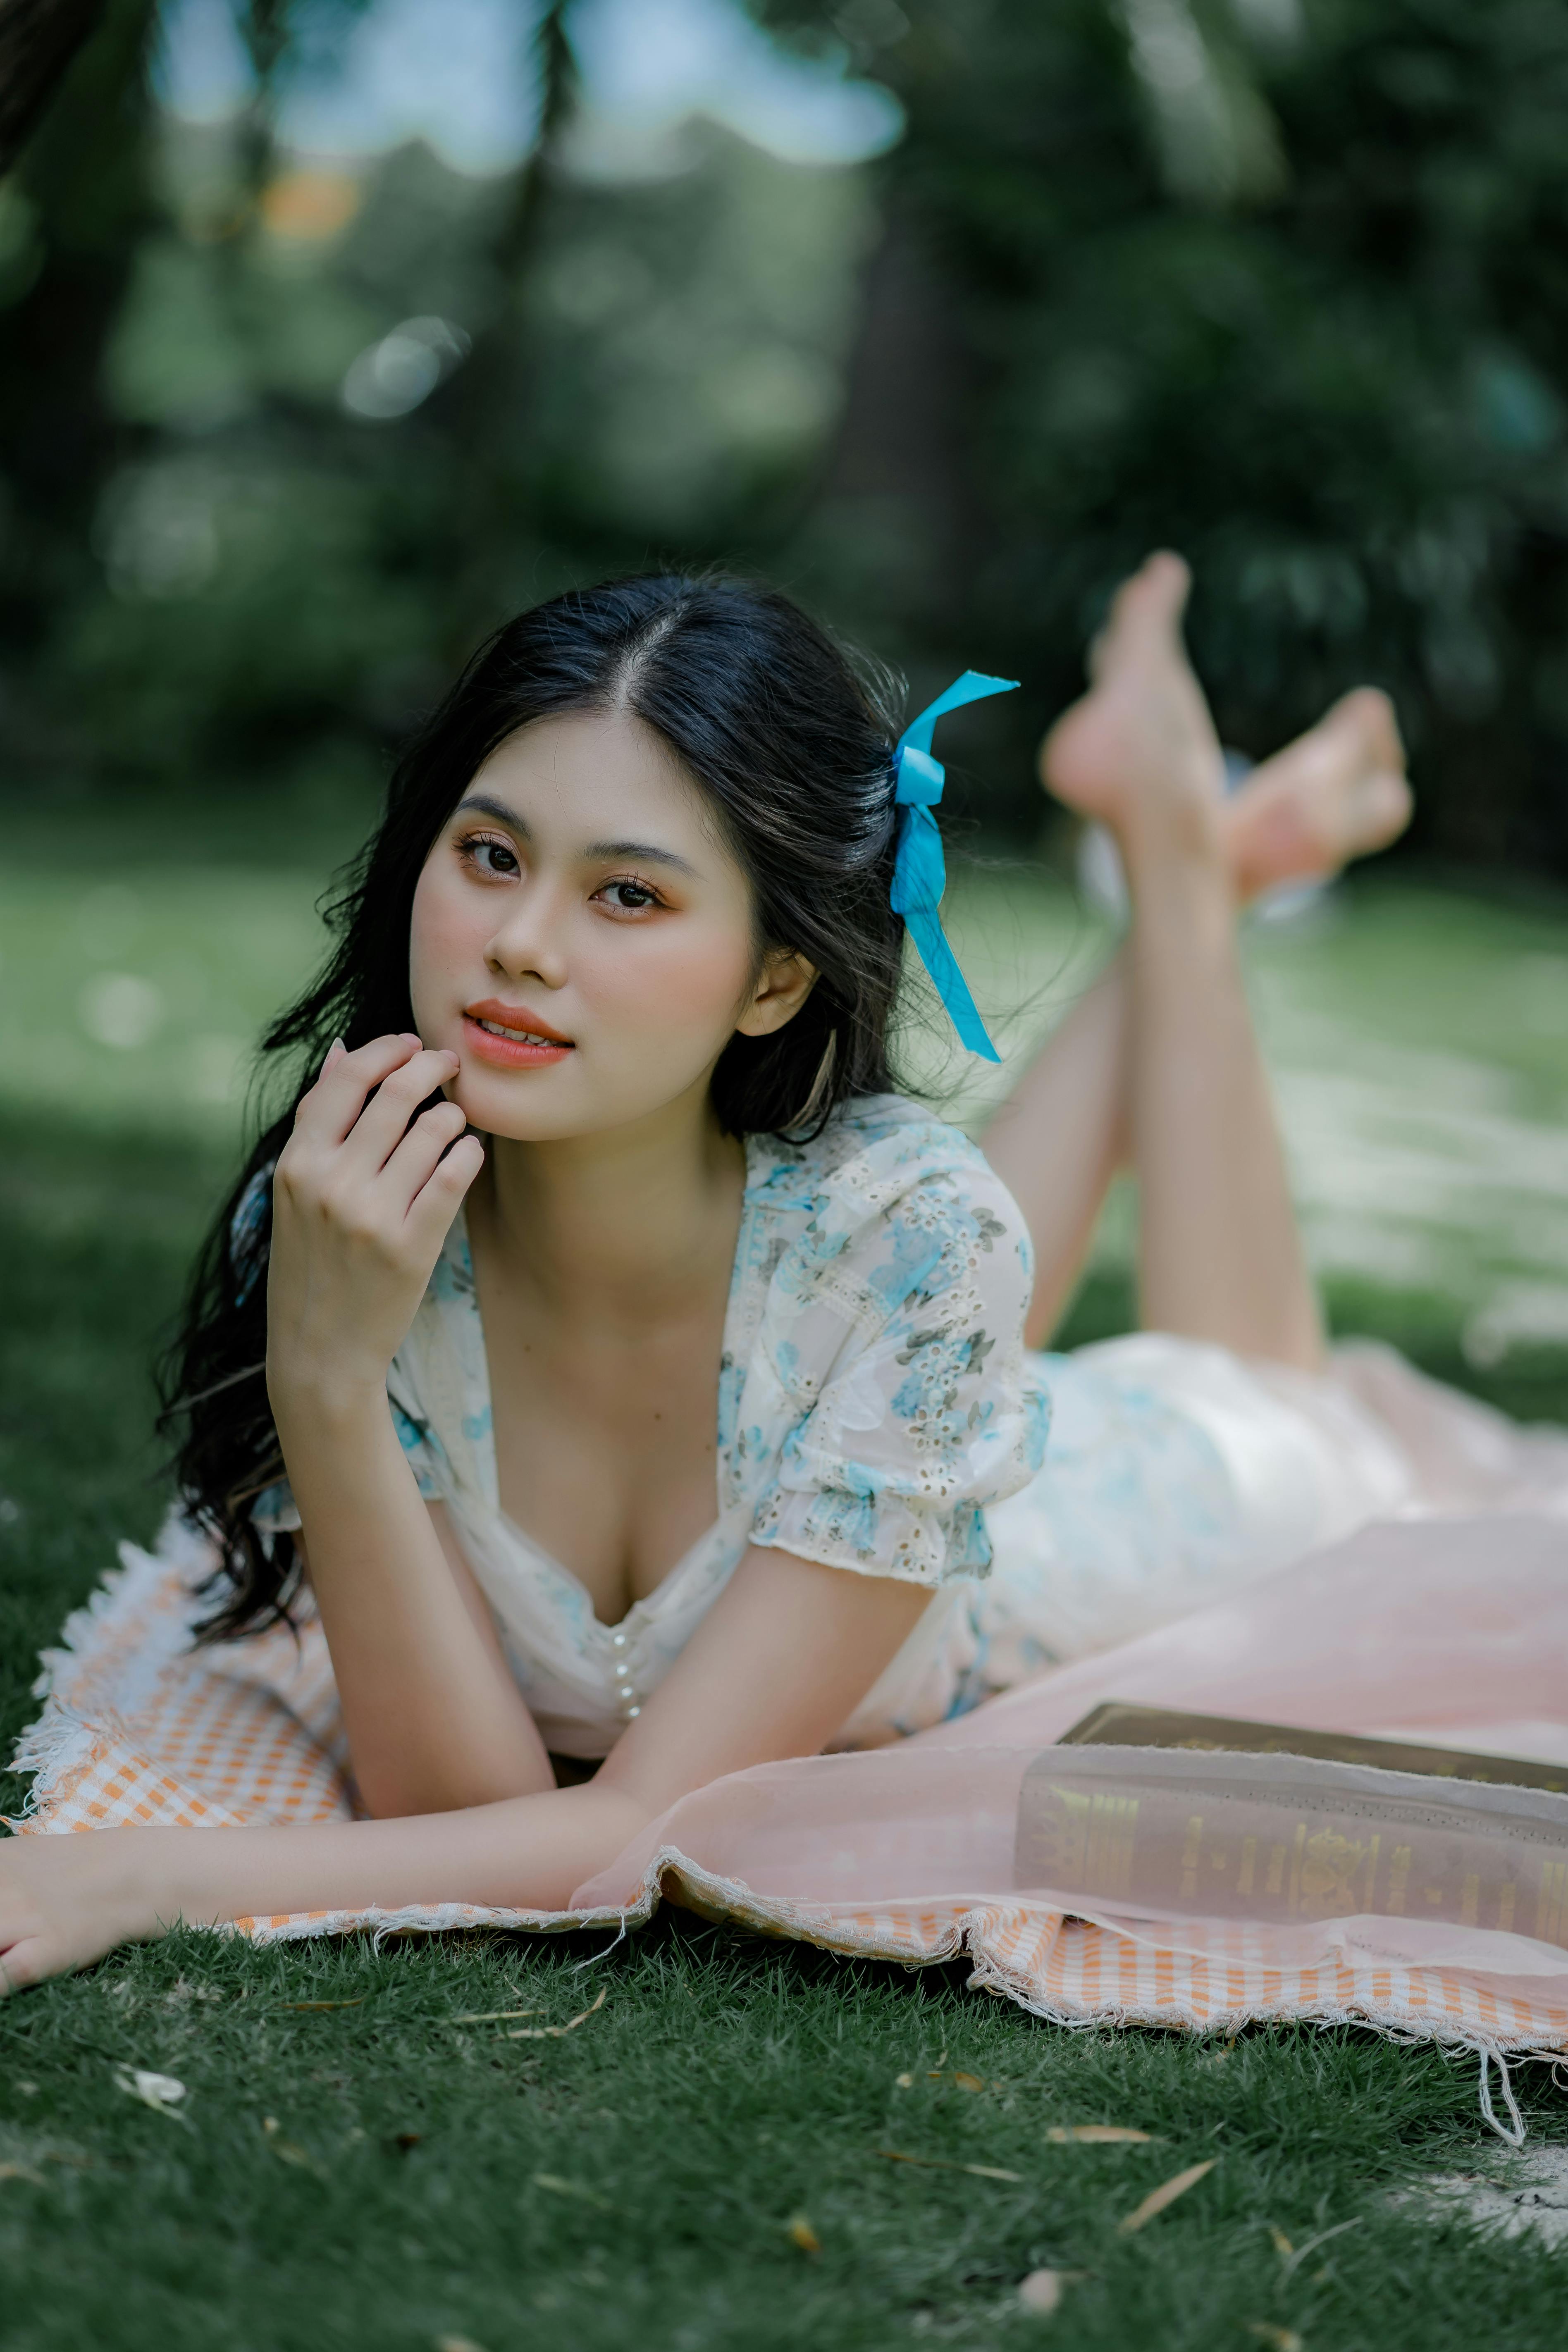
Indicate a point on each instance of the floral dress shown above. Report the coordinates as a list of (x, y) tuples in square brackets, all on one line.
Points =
[(879, 1412), (875, 1396)]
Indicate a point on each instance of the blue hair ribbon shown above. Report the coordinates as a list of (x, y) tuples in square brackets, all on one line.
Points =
[(920, 869)]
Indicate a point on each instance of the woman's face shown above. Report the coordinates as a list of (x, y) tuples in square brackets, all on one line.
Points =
[(582, 938)]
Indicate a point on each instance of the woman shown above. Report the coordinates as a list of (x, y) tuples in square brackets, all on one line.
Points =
[(629, 920)]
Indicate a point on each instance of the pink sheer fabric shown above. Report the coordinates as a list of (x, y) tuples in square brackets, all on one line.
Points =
[(1454, 1632), (1448, 1631)]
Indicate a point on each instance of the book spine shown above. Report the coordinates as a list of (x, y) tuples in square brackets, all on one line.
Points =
[(1284, 1857)]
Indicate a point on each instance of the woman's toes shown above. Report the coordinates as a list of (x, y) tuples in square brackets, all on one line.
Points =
[(1145, 613), (1381, 811), (1368, 714)]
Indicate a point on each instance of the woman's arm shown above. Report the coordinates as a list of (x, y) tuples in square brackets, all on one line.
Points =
[(780, 1661), (364, 1194)]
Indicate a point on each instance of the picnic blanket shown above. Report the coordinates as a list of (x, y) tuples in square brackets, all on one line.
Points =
[(1452, 1630)]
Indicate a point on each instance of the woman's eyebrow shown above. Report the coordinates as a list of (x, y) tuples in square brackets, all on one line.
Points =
[(482, 805), (643, 852)]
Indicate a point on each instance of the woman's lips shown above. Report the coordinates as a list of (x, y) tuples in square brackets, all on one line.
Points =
[(529, 1052)]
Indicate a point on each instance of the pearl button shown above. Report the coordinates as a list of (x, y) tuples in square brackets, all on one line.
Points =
[(633, 1710), (619, 1640)]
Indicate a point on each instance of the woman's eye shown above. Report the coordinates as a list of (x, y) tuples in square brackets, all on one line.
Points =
[(631, 896), (491, 857)]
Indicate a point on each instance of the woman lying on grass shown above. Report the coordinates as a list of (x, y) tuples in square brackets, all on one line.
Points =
[(623, 1368)]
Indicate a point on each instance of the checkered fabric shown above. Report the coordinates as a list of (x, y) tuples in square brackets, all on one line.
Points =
[(139, 1728)]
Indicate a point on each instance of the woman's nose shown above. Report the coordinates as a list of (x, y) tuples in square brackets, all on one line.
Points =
[(530, 943)]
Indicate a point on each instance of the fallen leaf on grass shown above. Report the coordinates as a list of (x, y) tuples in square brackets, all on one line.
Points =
[(1279, 2339), (1166, 2194), (904, 2082), (493, 2016), (21, 2172), (160, 2092), (457, 2344), (1094, 2135), (553, 2032), (288, 2150), (1041, 2292), (559, 2188), (357, 2002), (946, 2164), (800, 2234), (1292, 2256), (404, 2141)]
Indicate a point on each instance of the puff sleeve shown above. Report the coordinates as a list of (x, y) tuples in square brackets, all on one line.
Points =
[(894, 1330)]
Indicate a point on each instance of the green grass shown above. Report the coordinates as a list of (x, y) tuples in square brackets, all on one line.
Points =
[(632, 2184)]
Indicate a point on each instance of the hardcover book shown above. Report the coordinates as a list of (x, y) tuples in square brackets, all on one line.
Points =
[(1142, 1809)]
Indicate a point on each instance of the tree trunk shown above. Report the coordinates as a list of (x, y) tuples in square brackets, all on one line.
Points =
[(38, 38)]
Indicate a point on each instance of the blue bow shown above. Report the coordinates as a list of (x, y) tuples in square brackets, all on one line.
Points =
[(919, 871)]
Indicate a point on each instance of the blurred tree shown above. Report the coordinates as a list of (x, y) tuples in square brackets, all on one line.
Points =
[(1283, 283), (38, 39), (71, 214), (354, 414)]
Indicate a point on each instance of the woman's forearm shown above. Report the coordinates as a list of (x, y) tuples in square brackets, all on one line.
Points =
[(521, 1854), (65, 1901), (434, 1720)]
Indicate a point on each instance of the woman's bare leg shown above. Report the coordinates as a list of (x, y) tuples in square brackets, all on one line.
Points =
[(1336, 793)]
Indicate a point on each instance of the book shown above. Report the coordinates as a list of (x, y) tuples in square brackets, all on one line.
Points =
[(1272, 1834), (1118, 1723)]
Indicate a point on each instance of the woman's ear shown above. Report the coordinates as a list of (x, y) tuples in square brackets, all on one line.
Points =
[(786, 981)]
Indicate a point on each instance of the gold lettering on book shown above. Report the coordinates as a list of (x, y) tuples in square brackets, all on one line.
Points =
[(1191, 1851), (1298, 1848), (1112, 1824), (1291, 1838), (1089, 1841), (1328, 1873)]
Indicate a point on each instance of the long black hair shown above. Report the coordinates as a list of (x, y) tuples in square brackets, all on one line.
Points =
[(791, 741)]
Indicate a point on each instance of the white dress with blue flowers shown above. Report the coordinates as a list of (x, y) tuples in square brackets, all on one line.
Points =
[(879, 1412), (874, 1397)]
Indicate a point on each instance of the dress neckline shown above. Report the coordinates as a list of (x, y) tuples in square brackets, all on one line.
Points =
[(648, 1604)]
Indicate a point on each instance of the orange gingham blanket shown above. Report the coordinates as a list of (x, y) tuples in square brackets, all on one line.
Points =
[(139, 1728)]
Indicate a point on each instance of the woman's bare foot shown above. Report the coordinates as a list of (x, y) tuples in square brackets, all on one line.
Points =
[(1138, 749), (1141, 738), (1338, 791)]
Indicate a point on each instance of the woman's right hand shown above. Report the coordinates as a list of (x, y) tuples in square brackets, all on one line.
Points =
[(362, 1200), (66, 1901)]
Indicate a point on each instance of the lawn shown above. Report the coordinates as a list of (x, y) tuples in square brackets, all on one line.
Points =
[(702, 2162)]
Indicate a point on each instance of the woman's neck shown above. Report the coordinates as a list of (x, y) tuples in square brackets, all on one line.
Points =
[(621, 1226)]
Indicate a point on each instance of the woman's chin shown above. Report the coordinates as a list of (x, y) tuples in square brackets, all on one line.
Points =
[(520, 1107)]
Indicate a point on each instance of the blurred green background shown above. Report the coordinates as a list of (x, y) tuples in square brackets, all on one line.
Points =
[(334, 331)]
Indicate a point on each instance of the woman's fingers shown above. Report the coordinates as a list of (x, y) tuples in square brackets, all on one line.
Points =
[(329, 1110), (385, 1121), (439, 1198), (416, 1158), (22, 1964)]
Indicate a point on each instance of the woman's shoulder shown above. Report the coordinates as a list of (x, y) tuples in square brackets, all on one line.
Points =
[(866, 1143), (880, 1164)]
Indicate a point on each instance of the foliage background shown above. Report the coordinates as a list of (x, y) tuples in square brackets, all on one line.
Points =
[(1281, 282)]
